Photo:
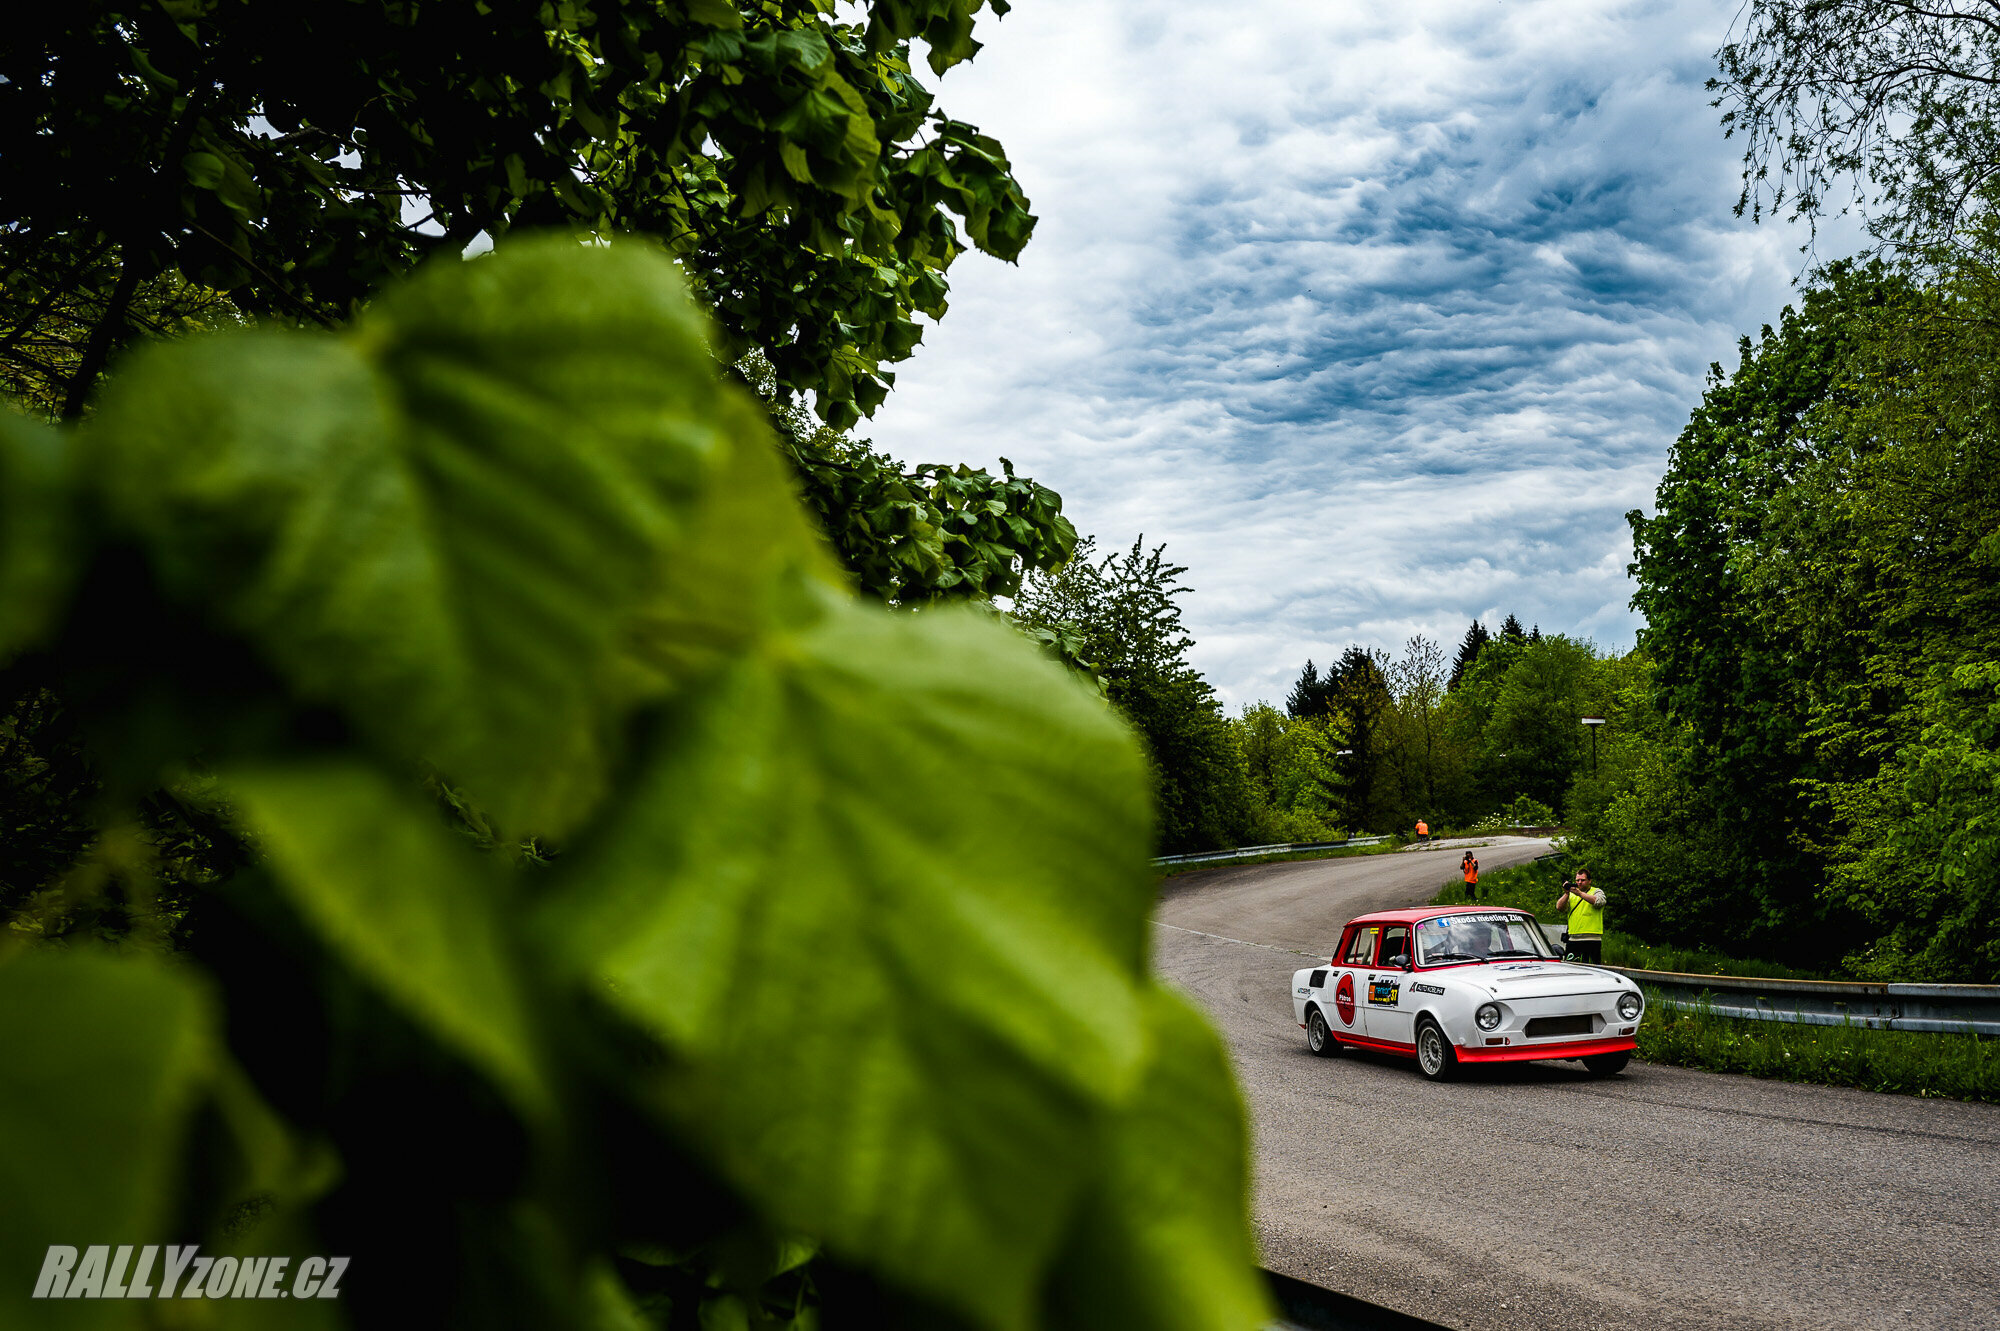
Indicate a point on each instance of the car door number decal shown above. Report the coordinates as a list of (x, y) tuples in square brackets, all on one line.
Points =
[(1383, 993), (1343, 999)]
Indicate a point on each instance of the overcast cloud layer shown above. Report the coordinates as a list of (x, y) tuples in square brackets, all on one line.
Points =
[(1381, 317)]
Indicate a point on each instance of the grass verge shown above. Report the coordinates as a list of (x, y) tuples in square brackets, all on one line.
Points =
[(1953, 1067)]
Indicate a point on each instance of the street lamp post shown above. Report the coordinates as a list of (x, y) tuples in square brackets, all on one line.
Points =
[(1593, 722)]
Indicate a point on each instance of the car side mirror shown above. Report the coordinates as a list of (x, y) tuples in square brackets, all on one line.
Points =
[(1401, 961)]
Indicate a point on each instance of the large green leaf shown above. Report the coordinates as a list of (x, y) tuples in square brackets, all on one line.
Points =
[(446, 522), (35, 530), (1164, 1239), (409, 905), (106, 1061), (882, 893)]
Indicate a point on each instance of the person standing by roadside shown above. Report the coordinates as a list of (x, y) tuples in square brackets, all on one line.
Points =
[(1470, 867), (1423, 830), (1584, 906)]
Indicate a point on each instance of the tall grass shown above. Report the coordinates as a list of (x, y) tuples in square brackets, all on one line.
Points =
[(1955, 1067)]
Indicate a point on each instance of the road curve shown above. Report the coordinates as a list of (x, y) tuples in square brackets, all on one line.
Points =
[(1534, 1196)]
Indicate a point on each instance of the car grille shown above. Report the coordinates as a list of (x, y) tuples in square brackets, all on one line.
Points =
[(1539, 1026)]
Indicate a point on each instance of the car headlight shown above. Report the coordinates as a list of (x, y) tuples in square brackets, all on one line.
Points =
[(1488, 1016), (1629, 1005)]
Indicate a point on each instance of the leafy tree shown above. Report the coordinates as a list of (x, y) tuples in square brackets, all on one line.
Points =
[(297, 156), (1715, 582), (512, 531), (1883, 568), (1294, 773), (54, 301), (176, 167), (1535, 717), (1475, 640), (1423, 764), (1900, 96), (1121, 614), (916, 535)]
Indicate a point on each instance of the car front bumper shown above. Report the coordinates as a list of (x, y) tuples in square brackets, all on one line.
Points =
[(1527, 1052)]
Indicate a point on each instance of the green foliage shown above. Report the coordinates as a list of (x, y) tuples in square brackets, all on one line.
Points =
[(34, 533), (1820, 601), (1526, 812), (933, 532), (369, 563), (1897, 96), (1715, 584), (1622, 949), (102, 1052), (1957, 1067), (1120, 617), (299, 156), (1296, 784), (837, 942), (1535, 718)]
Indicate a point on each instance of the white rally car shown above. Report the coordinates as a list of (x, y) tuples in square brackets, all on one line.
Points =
[(1448, 985)]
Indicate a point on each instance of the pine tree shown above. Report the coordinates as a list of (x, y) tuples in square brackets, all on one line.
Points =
[(1512, 629), (1476, 638), (1313, 694)]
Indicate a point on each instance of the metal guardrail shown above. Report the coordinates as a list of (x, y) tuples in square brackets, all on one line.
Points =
[(1250, 852), (1890, 1007)]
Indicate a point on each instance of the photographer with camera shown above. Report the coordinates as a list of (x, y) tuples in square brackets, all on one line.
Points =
[(1584, 906)]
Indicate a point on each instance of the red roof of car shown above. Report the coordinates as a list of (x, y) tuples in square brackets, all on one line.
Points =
[(1415, 913)]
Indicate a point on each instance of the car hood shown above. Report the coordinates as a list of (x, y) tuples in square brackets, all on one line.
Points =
[(1539, 979)]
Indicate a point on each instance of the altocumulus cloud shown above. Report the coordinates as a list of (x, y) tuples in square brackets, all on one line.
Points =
[(1380, 316)]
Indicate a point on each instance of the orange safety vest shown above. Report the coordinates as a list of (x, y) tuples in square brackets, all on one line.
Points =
[(1472, 872), (1423, 830)]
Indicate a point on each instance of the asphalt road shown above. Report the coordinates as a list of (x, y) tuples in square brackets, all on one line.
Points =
[(1534, 1196)]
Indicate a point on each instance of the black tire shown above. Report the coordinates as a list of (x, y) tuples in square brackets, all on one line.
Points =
[(1436, 1059), (1319, 1036), (1606, 1065)]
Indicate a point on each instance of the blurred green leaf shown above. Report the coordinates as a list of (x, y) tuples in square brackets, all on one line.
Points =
[(35, 532), (881, 890), (409, 905), (446, 523), (107, 1060), (1164, 1239)]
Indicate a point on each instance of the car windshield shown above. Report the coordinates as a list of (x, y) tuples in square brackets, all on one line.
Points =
[(1479, 936)]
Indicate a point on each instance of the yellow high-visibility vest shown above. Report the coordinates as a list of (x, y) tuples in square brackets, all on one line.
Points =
[(1584, 918)]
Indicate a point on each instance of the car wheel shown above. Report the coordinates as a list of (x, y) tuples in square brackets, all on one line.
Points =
[(1436, 1058), (1318, 1038), (1606, 1065)]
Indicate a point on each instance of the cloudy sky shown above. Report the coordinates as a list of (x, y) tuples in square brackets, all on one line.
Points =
[(1380, 316)]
